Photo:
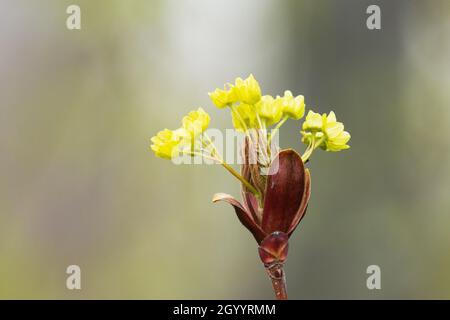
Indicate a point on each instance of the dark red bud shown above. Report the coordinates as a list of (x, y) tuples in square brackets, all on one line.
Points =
[(274, 248)]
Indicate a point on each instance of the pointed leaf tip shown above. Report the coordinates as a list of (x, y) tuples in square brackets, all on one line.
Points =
[(243, 215)]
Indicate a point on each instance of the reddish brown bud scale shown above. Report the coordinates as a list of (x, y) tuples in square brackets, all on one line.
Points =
[(286, 198), (284, 192), (274, 248), (286, 195)]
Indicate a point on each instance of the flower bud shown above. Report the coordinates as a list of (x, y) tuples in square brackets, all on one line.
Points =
[(248, 90), (223, 98), (269, 111), (196, 122), (293, 107), (165, 144)]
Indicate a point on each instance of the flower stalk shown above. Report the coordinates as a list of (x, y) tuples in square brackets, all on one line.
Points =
[(241, 178)]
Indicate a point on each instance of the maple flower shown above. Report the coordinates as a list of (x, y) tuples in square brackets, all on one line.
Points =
[(248, 90), (325, 132)]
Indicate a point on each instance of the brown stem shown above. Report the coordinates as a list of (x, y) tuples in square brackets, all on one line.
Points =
[(278, 277)]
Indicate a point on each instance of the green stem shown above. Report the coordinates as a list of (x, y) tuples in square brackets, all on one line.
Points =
[(242, 179), (216, 152), (219, 159), (233, 109), (312, 146), (193, 153), (258, 118), (277, 127)]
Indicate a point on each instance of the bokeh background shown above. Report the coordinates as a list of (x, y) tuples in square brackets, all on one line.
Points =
[(78, 184)]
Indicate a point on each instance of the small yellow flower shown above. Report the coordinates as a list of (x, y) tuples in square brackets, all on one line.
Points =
[(313, 122), (268, 110), (196, 122), (337, 138), (223, 98), (165, 144), (325, 131), (247, 91), (244, 117), (293, 107)]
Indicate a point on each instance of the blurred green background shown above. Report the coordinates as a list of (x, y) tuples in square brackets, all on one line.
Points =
[(78, 184)]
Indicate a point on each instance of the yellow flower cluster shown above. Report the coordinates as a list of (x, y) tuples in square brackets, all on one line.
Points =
[(169, 143), (250, 110), (325, 132)]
